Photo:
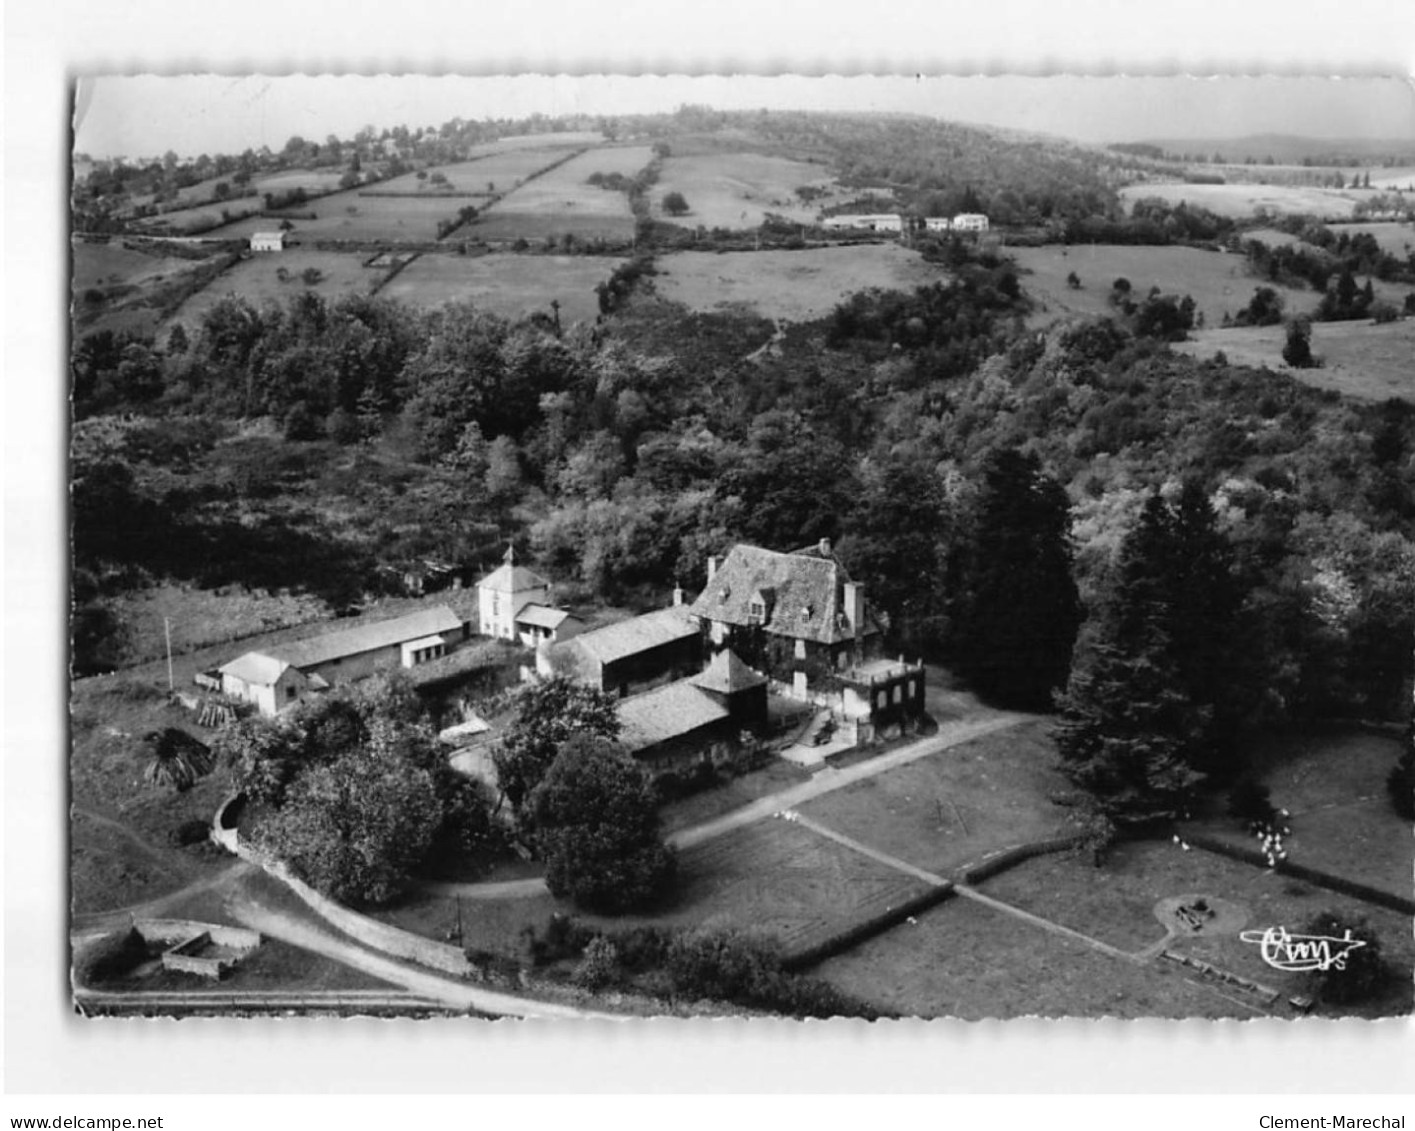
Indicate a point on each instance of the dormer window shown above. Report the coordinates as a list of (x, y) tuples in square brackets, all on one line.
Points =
[(756, 611)]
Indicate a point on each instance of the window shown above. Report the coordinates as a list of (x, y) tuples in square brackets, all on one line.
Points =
[(756, 611)]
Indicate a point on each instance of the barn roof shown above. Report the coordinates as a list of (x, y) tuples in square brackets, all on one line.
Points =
[(256, 668), (804, 588), (727, 674), (665, 713), (637, 634), (368, 637), (542, 617)]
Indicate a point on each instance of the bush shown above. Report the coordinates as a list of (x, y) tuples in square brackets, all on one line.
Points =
[(599, 965), (110, 957), (1383, 312), (1251, 802), (1401, 784), (562, 937), (195, 831), (1364, 973)]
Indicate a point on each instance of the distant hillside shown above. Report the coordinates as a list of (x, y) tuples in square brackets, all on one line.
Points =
[(1290, 149)]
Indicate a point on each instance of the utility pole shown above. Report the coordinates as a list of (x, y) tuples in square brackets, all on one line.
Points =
[(167, 631)]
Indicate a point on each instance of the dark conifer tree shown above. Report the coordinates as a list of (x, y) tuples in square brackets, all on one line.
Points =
[(1129, 729), (1016, 609)]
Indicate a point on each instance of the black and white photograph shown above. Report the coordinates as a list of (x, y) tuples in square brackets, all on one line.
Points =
[(735, 546), (808, 560)]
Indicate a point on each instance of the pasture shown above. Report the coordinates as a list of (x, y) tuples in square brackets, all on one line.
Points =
[(737, 190), (258, 279), (204, 218), (1360, 359), (510, 285), (364, 219), (563, 202), (1394, 238), (311, 180), (114, 264), (1218, 281), (797, 286), (496, 171), (1241, 201)]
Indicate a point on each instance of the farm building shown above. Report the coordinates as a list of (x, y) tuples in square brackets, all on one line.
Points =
[(631, 655), (267, 241), (280, 677), (356, 652), (970, 222), (680, 718), (270, 683), (867, 222), (504, 592), (537, 625), (937, 223)]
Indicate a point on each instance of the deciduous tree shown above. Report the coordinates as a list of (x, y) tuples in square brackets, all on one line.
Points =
[(598, 829)]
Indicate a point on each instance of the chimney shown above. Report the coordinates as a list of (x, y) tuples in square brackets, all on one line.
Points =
[(824, 547), (677, 595), (712, 564), (855, 607)]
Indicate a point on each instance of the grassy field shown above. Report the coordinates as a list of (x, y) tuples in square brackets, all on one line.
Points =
[(510, 285), (200, 617), (257, 279), (1394, 238), (204, 218), (943, 812), (1333, 784), (972, 962), (790, 285), (311, 180), (1116, 903), (737, 190), (1361, 359), (496, 171), (562, 201), (1219, 282), (1241, 201), (114, 265)]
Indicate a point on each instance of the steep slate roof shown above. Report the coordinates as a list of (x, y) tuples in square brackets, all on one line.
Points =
[(542, 617), (637, 634), (805, 587), (256, 667), (727, 674), (664, 713), (367, 637), (510, 578)]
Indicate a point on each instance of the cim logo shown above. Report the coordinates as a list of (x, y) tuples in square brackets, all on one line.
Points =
[(1302, 952)]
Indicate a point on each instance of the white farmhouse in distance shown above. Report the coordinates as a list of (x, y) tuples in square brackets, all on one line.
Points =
[(267, 241), (870, 222), (970, 222)]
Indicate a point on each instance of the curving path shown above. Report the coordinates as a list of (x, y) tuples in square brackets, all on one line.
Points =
[(826, 781), (419, 982)]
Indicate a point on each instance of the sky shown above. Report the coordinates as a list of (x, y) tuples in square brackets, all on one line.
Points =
[(144, 115)]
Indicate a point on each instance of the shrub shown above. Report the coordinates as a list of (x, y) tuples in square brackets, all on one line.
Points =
[(1400, 784), (1251, 802), (110, 957), (195, 831), (562, 937), (599, 965), (1383, 312), (1364, 972)]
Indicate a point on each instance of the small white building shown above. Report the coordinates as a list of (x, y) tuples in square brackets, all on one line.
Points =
[(937, 223), (537, 625), (970, 222), (267, 241), (504, 592), (272, 684)]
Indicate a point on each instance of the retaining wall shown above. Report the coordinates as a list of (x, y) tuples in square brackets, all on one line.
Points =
[(380, 936)]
